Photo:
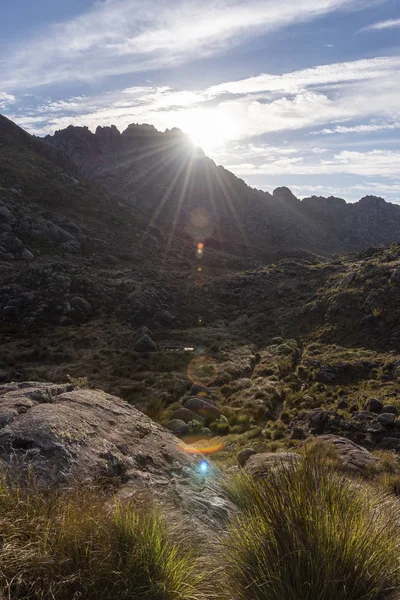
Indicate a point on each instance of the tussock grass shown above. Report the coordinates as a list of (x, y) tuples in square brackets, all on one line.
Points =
[(74, 546), (306, 533)]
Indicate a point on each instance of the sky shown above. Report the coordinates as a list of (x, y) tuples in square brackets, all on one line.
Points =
[(301, 93)]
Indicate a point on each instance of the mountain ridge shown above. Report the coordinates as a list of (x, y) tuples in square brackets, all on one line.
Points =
[(165, 175)]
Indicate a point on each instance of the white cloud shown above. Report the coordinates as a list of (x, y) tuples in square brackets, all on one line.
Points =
[(382, 163), (127, 36), (390, 24), (362, 128), (6, 100)]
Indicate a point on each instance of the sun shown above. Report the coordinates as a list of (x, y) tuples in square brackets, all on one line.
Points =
[(207, 128)]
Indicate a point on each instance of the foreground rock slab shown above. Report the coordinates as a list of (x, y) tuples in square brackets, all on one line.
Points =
[(66, 434)]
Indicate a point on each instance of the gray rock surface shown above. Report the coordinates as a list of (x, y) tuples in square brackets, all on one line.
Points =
[(178, 427), (352, 456), (67, 434), (202, 407), (259, 465), (186, 415)]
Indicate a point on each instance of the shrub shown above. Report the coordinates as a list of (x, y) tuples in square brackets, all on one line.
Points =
[(155, 407), (72, 546), (306, 533)]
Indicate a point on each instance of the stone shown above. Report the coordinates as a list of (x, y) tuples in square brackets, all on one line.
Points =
[(352, 457), (198, 389), (202, 407), (389, 408), (27, 255), (63, 435), (186, 415), (5, 215), (178, 427), (259, 465), (81, 308), (4, 376), (395, 277), (386, 419), (145, 344), (375, 427), (374, 405), (10, 312), (244, 456), (71, 247), (343, 404)]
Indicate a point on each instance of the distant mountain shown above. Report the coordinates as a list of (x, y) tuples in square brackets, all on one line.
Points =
[(179, 187)]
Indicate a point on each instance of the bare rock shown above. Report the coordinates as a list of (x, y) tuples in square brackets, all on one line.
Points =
[(64, 434), (178, 427), (259, 465), (186, 415), (198, 389), (244, 456), (352, 456), (202, 407)]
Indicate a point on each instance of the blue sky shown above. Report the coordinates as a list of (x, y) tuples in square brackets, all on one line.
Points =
[(301, 93)]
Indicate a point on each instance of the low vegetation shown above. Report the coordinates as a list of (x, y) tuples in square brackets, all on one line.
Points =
[(305, 533), (74, 545)]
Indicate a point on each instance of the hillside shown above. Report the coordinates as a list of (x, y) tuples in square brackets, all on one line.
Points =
[(171, 180), (268, 375)]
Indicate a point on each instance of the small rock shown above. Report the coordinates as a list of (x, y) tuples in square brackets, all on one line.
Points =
[(4, 376), (186, 415), (27, 255), (387, 419), (71, 247), (145, 344), (10, 312), (374, 405), (198, 389), (178, 427), (396, 275), (389, 408), (201, 407), (375, 427), (244, 456), (342, 404)]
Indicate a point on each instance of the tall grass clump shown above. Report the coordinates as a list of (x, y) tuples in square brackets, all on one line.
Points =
[(306, 533), (75, 547)]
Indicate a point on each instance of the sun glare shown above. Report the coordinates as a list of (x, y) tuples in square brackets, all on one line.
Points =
[(208, 128)]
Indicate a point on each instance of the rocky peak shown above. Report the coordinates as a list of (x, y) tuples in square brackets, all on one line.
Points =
[(285, 195)]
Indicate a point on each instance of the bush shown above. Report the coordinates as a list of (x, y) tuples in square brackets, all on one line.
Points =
[(306, 533), (72, 546)]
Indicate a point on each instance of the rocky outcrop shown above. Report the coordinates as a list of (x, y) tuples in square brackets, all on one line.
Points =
[(66, 434)]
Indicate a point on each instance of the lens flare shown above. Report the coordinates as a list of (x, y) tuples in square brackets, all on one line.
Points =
[(203, 467), (200, 449)]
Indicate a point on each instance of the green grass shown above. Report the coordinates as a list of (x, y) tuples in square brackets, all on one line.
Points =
[(306, 533), (72, 546)]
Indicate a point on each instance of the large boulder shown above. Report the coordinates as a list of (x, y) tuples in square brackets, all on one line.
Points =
[(64, 434)]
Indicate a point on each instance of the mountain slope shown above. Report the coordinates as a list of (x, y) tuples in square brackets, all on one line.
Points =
[(173, 182)]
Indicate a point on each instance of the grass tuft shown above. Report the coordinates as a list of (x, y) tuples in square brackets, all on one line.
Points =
[(306, 533), (74, 546)]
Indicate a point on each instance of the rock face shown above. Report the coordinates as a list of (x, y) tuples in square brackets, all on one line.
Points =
[(69, 434)]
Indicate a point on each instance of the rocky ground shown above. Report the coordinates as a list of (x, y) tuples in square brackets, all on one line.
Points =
[(94, 296)]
